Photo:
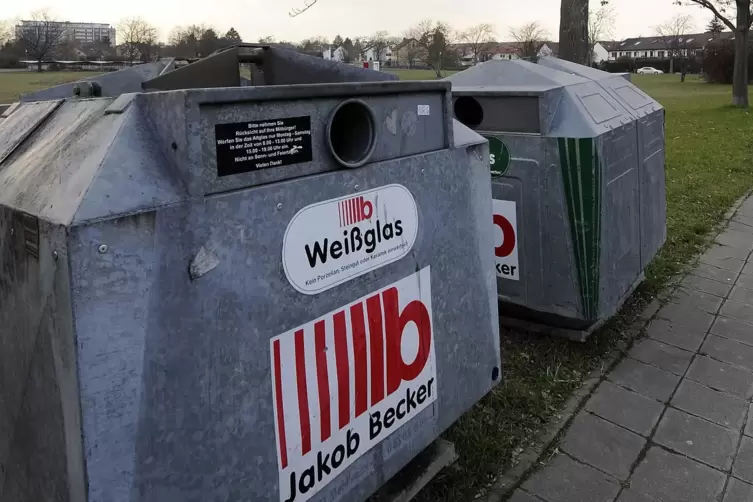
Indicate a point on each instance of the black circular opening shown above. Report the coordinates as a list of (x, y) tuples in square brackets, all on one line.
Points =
[(495, 374), (352, 133), (468, 111)]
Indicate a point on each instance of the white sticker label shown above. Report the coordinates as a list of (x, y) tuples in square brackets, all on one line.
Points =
[(506, 239), (331, 242), (344, 382), (424, 110)]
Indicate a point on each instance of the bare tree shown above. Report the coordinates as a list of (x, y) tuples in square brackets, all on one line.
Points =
[(378, 43), (724, 9), (672, 33), (432, 40), (600, 27), (6, 33), (41, 36), (478, 38), (138, 39), (574, 31), (529, 38)]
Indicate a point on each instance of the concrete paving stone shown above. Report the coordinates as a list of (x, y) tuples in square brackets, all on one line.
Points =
[(715, 273), (667, 477), (709, 286), (744, 219), (721, 376), (719, 407), (735, 239), (734, 329), (737, 310), (740, 227), (738, 491), (748, 268), (625, 408), (745, 281), (728, 351), (598, 443), (742, 295), (697, 299), (746, 209), (567, 480), (697, 438), (749, 424), (644, 379), (687, 316), (685, 337), (743, 466), (662, 355), (521, 496), (724, 257)]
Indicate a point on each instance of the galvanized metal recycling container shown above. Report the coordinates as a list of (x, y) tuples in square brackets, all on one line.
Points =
[(242, 293), (577, 163)]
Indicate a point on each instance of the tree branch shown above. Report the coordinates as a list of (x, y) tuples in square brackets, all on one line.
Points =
[(708, 5), (307, 5)]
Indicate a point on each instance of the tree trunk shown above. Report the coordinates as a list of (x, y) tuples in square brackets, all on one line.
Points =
[(671, 65), (574, 31), (39, 65), (740, 75)]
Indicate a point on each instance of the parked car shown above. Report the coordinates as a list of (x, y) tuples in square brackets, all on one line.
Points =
[(647, 70)]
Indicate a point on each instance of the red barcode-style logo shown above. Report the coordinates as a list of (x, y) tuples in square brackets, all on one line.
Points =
[(344, 382), (355, 210)]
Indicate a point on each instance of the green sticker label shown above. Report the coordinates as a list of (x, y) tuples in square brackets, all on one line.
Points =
[(499, 156)]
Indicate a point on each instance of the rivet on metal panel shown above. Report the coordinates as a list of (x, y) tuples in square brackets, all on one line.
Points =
[(355, 188), (279, 205), (103, 248), (55, 255)]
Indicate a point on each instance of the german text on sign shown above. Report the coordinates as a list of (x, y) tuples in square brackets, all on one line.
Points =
[(332, 242), (347, 380)]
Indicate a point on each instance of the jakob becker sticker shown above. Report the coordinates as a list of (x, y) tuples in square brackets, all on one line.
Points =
[(250, 146)]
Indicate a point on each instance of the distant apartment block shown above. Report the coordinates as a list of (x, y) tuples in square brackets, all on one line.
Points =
[(80, 32)]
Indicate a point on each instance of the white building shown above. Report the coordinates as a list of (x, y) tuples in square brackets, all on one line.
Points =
[(370, 54), (600, 53), (65, 30), (335, 54)]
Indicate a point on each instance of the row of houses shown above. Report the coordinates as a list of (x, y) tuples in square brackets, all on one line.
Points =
[(405, 53), (662, 47)]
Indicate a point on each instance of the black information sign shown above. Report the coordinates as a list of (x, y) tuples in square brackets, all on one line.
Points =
[(249, 146)]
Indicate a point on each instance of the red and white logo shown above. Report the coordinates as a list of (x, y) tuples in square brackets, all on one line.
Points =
[(355, 210), (344, 382), (506, 239), (332, 242)]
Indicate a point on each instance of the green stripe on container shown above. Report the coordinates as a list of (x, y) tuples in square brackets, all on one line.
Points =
[(581, 173)]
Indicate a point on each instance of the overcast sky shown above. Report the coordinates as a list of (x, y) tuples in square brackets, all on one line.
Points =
[(258, 18)]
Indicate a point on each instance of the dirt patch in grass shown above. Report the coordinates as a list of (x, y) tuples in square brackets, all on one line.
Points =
[(709, 153)]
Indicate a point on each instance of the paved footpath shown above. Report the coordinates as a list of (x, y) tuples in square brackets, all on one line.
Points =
[(673, 421)]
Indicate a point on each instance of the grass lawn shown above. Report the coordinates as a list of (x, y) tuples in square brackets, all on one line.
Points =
[(13, 84), (419, 74), (709, 156)]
